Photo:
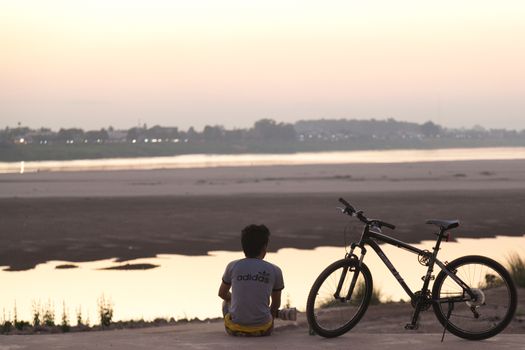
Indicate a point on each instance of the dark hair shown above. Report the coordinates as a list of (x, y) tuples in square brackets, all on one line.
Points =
[(254, 238)]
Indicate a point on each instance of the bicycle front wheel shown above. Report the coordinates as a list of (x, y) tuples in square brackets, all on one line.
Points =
[(330, 309), (492, 308)]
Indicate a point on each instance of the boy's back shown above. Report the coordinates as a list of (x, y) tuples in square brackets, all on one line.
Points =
[(256, 287), (252, 281)]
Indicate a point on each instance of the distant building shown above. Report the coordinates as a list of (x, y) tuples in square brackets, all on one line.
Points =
[(116, 136)]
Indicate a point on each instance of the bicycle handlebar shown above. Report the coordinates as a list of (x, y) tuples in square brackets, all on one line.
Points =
[(347, 205), (350, 210), (386, 224)]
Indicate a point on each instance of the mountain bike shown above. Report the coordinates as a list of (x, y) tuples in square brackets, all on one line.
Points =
[(473, 297)]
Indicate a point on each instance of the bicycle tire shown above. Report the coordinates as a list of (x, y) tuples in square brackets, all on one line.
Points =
[(490, 287), (331, 308)]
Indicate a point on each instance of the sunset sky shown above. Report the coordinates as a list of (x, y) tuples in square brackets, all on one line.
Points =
[(91, 64)]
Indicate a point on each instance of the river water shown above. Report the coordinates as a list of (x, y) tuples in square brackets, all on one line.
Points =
[(216, 160), (186, 287)]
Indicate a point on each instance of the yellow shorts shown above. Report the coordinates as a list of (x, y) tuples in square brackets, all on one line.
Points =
[(247, 331)]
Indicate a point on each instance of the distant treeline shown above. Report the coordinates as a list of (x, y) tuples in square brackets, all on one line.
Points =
[(265, 136)]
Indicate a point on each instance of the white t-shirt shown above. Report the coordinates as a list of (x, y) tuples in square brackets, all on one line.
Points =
[(252, 281)]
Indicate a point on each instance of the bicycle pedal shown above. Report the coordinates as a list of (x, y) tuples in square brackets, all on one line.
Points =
[(411, 327)]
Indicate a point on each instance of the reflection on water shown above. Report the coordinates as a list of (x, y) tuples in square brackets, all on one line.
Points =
[(215, 160), (185, 286)]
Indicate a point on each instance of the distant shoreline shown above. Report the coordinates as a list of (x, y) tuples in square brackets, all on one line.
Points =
[(267, 136)]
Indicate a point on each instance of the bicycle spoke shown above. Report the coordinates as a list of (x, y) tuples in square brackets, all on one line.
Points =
[(332, 315), (486, 306)]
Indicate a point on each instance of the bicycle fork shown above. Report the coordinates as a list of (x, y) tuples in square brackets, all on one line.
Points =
[(348, 296), (355, 276)]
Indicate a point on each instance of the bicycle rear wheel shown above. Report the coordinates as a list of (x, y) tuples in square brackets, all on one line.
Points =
[(331, 314), (495, 303)]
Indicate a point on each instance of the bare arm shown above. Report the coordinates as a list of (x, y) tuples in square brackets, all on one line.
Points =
[(224, 291), (276, 303)]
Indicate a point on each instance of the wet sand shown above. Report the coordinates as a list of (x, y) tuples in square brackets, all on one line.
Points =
[(131, 214), (338, 179)]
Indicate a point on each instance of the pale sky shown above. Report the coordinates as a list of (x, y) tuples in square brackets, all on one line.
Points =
[(95, 63)]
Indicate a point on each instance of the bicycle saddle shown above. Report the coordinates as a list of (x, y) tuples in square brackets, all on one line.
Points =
[(444, 224)]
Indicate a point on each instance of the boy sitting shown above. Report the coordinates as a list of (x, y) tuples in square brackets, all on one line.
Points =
[(247, 309)]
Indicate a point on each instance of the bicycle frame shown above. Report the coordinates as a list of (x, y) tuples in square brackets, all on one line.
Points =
[(369, 237)]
